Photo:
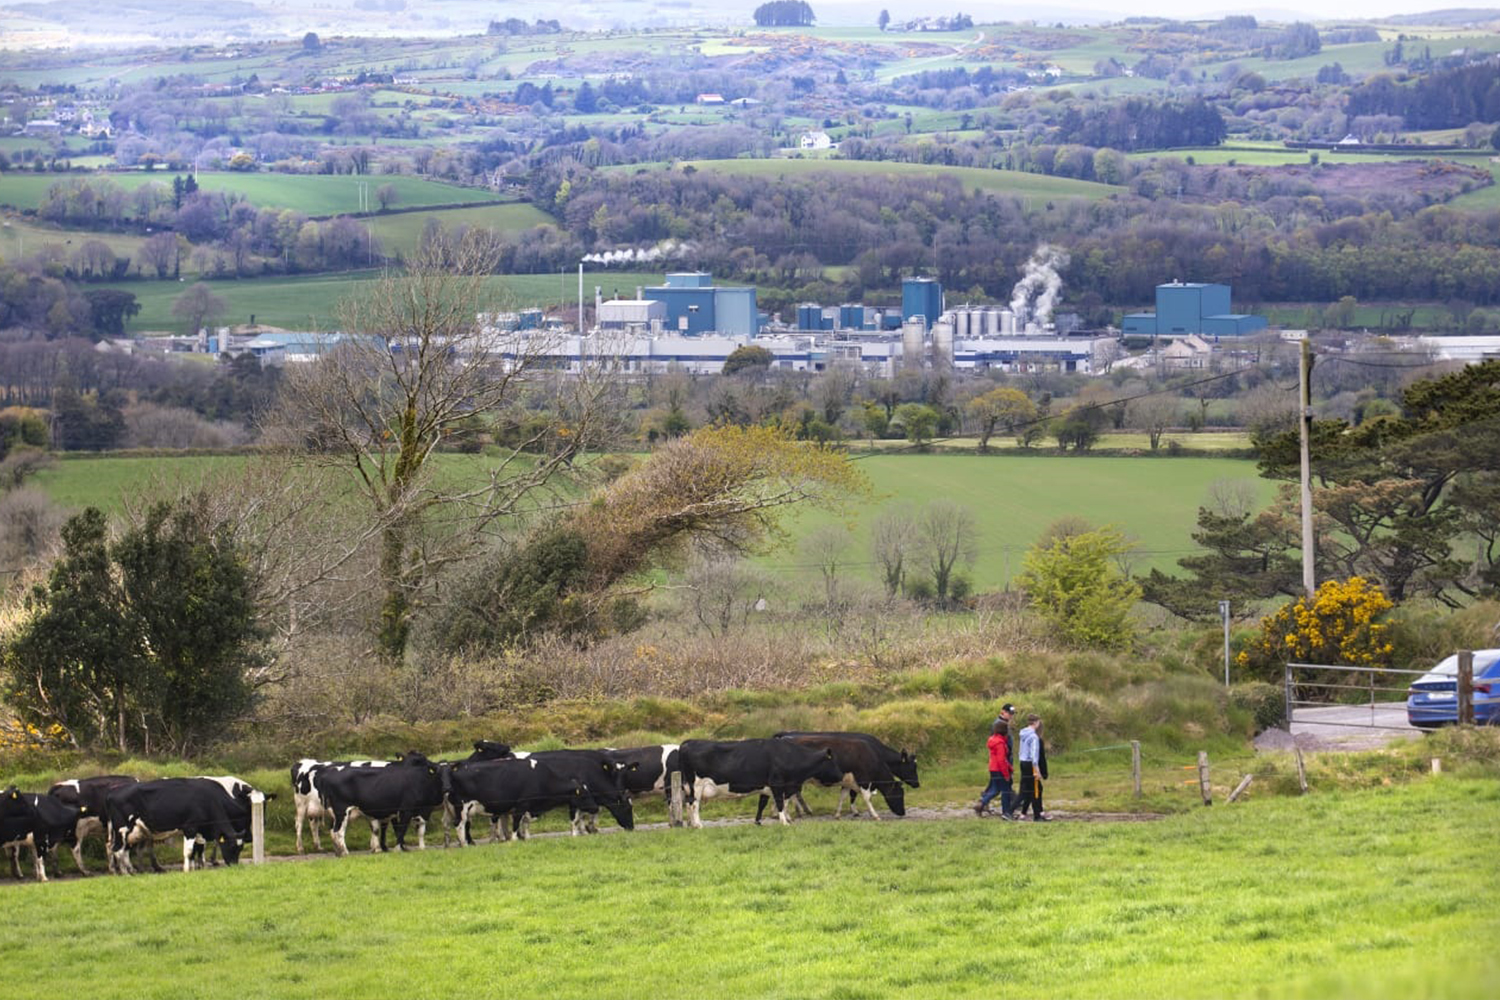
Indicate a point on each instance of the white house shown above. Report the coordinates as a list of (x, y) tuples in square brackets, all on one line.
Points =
[(816, 140)]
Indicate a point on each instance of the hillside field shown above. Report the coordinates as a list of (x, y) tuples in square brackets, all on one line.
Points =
[(311, 194), (1013, 498), (997, 182), (1318, 896)]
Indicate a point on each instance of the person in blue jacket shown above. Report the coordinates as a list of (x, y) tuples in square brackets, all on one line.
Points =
[(1033, 761)]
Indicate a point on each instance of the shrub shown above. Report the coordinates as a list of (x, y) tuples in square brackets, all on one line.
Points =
[(1266, 703), (1339, 626), (1075, 584)]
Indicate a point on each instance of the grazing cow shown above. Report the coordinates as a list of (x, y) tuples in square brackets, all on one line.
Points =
[(305, 797), (409, 789), (602, 776), (645, 769), (198, 809), (864, 770), (511, 789), (87, 795), (39, 822), (773, 768)]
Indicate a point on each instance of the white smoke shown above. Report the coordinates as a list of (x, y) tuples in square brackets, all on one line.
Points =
[(665, 250), (1042, 280)]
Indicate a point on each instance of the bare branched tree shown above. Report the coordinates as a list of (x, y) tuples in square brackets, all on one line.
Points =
[(1153, 414), (421, 361), (947, 531), (893, 539), (827, 546)]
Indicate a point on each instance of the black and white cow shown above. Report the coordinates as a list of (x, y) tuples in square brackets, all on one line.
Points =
[(307, 801), (645, 769), (87, 795), (39, 822), (511, 789), (865, 770), (197, 809), (483, 750), (775, 769), (603, 777), (405, 791)]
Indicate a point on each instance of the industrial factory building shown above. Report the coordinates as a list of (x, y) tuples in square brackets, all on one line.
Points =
[(1189, 307)]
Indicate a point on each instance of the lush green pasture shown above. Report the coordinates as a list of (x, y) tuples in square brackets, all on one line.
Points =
[(399, 233), (310, 303), (313, 194), (1013, 497), (1000, 182), (1319, 897)]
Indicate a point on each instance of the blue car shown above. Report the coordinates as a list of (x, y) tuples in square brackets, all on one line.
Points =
[(1433, 700)]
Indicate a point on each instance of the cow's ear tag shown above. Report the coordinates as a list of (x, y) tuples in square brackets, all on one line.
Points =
[(577, 791)]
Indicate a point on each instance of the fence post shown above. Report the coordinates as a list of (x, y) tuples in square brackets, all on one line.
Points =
[(1135, 766), (258, 828), (1203, 785), (1289, 698), (1466, 687), (1301, 770), (674, 807), (1437, 765), (1240, 788)]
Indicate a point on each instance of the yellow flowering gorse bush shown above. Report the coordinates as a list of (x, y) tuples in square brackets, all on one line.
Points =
[(1341, 625)]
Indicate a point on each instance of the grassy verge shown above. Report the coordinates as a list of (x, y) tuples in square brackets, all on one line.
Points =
[(1316, 897)]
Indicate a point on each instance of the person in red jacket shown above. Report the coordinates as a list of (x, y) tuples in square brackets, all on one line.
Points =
[(1000, 772)]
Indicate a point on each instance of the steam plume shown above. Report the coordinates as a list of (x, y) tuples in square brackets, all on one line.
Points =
[(1041, 279), (665, 250)]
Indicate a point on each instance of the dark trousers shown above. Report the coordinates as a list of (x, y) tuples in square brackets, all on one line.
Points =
[(1031, 790), (999, 785)]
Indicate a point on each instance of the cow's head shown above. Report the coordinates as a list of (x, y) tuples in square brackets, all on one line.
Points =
[(827, 771), (620, 808), (230, 846), (906, 769)]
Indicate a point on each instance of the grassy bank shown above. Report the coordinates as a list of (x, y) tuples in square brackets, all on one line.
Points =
[(1313, 897)]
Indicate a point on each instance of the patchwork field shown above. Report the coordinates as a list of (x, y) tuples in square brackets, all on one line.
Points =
[(1322, 896)]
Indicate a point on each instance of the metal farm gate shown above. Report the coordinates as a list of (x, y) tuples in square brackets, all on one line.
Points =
[(1363, 697)]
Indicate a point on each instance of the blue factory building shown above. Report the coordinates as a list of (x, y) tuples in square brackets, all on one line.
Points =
[(695, 306), (921, 297), (1189, 307)]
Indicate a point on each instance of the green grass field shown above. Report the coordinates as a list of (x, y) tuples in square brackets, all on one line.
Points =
[(1013, 498), (1325, 896), (310, 303), (313, 194), (999, 182), (400, 233)]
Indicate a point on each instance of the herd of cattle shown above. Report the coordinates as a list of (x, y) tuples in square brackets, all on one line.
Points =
[(508, 787)]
